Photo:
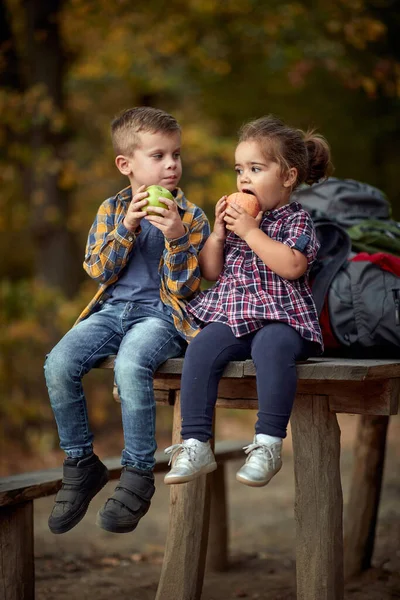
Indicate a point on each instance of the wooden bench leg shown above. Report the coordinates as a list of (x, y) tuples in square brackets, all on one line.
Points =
[(319, 500), (17, 574), (185, 552), (365, 491), (217, 551)]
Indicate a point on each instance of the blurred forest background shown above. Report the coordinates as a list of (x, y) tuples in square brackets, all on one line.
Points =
[(68, 66)]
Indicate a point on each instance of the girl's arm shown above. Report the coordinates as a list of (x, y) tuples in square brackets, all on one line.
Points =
[(211, 257), (284, 261), (282, 257)]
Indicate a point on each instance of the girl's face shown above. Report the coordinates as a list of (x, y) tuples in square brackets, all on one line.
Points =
[(261, 176)]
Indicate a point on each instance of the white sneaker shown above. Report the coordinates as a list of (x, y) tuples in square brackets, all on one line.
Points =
[(193, 458), (264, 461)]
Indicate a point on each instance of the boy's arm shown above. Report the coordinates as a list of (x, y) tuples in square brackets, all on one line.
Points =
[(108, 245), (181, 271)]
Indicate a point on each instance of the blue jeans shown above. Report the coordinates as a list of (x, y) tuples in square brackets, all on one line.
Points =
[(274, 349), (142, 340)]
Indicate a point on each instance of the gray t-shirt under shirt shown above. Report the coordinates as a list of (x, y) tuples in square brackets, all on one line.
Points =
[(140, 279)]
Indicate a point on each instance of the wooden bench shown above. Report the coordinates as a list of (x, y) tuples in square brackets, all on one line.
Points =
[(326, 387), (17, 493)]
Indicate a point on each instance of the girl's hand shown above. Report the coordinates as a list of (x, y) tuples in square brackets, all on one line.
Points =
[(239, 221), (135, 214), (167, 219), (219, 230)]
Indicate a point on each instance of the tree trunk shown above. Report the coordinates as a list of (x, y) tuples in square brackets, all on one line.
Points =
[(57, 256)]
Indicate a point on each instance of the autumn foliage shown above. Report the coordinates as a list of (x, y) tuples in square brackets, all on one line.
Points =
[(67, 67)]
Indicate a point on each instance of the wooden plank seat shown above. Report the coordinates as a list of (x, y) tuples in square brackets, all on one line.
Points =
[(17, 493), (326, 386)]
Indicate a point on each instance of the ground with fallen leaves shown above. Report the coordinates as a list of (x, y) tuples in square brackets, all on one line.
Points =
[(88, 563)]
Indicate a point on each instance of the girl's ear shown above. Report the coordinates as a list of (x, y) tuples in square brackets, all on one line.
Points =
[(123, 165), (290, 177)]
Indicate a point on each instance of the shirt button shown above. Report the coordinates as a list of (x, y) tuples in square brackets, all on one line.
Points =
[(101, 302), (130, 239)]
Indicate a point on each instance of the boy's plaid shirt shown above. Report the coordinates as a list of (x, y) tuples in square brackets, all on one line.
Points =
[(109, 245), (248, 294)]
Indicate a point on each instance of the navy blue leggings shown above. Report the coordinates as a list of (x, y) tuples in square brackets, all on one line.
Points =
[(274, 350)]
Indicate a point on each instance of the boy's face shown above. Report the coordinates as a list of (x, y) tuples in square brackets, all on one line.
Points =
[(155, 161)]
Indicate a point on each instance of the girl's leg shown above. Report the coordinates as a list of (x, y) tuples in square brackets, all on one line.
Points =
[(275, 350), (205, 359)]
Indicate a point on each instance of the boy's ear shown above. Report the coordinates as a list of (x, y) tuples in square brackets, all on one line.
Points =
[(123, 165), (290, 177)]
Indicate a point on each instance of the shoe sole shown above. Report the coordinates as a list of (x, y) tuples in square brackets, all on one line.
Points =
[(251, 483), (83, 510), (185, 478), (111, 526)]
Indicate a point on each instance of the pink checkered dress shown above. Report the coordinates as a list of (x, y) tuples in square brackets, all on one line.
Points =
[(248, 294)]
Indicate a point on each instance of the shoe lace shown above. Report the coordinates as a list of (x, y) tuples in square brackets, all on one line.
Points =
[(258, 448), (180, 449)]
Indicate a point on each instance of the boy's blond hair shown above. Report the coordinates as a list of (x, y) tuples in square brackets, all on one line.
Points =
[(127, 125)]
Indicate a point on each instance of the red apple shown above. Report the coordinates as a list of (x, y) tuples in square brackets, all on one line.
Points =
[(247, 201)]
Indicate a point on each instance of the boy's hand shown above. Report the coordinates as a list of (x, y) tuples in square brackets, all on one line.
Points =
[(239, 221), (135, 214), (168, 221), (219, 230)]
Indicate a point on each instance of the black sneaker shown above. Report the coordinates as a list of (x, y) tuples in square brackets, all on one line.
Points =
[(129, 503), (82, 479)]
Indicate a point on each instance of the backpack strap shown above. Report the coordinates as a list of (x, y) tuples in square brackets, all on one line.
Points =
[(333, 253)]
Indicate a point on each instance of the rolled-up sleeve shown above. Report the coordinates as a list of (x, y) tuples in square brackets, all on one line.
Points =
[(300, 235), (108, 246), (181, 271)]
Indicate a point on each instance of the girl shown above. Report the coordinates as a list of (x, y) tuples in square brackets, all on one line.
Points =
[(261, 305)]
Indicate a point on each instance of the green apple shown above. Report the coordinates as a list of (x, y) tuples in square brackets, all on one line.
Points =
[(155, 192)]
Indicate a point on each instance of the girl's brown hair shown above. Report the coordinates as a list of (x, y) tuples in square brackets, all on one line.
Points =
[(307, 152)]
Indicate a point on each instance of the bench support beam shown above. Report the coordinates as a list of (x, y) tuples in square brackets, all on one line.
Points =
[(365, 491), (217, 551), (185, 552), (17, 574), (318, 501)]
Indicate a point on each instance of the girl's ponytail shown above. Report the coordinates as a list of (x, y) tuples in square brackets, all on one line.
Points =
[(319, 157)]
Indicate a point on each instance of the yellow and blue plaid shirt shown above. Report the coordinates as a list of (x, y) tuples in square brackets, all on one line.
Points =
[(110, 243)]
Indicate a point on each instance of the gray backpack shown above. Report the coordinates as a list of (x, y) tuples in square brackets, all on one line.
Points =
[(345, 201), (363, 304), (358, 302)]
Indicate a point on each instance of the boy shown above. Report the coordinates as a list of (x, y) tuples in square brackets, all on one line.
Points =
[(147, 267)]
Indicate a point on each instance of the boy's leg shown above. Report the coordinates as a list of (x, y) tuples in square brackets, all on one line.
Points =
[(76, 353), (83, 473), (205, 360), (275, 349), (149, 342)]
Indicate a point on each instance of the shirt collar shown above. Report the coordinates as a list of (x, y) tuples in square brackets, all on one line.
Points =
[(282, 211)]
